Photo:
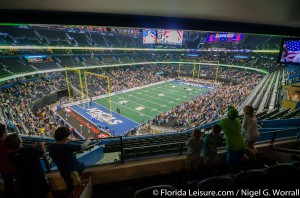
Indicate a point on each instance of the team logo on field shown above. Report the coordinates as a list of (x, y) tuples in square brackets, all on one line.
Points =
[(102, 116)]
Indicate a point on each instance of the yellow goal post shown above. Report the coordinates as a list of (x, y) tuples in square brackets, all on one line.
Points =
[(108, 90), (217, 63), (67, 69), (187, 60), (195, 63)]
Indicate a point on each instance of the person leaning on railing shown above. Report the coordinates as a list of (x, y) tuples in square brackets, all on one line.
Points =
[(62, 154)]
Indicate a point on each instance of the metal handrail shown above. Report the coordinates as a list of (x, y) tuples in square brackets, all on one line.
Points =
[(279, 131), (285, 150)]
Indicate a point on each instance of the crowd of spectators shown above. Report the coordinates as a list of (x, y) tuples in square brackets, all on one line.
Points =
[(120, 79), (16, 106), (207, 107), (17, 99), (133, 36), (211, 105), (265, 61)]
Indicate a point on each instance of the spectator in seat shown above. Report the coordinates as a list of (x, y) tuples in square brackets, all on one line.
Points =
[(7, 169), (234, 140), (30, 175), (250, 130), (193, 157), (42, 132), (12, 127), (211, 143), (62, 154)]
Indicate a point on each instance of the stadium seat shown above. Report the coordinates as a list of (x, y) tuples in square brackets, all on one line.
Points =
[(250, 179), (129, 153), (217, 183), (158, 152), (282, 175)]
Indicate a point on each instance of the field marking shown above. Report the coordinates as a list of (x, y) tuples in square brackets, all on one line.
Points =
[(138, 95), (161, 99), (123, 102), (184, 86), (165, 101), (143, 99), (181, 92), (128, 108), (197, 92), (96, 103), (155, 98), (199, 89), (130, 101), (139, 108)]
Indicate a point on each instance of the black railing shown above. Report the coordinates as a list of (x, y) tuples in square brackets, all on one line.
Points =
[(168, 147), (122, 150), (285, 150)]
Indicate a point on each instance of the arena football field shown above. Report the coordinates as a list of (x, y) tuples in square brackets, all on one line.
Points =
[(144, 104)]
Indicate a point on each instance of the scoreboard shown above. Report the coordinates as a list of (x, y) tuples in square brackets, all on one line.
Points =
[(172, 37), (224, 37), (149, 36), (166, 37), (37, 58)]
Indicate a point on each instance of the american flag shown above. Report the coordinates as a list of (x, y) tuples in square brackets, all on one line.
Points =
[(149, 36), (293, 48)]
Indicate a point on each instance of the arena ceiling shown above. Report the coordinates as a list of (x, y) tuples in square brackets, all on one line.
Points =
[(269, 12)]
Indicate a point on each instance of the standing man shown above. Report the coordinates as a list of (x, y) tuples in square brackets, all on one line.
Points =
[(91, 101)]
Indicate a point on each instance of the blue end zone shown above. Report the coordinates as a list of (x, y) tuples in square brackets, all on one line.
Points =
[(120, 124)]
